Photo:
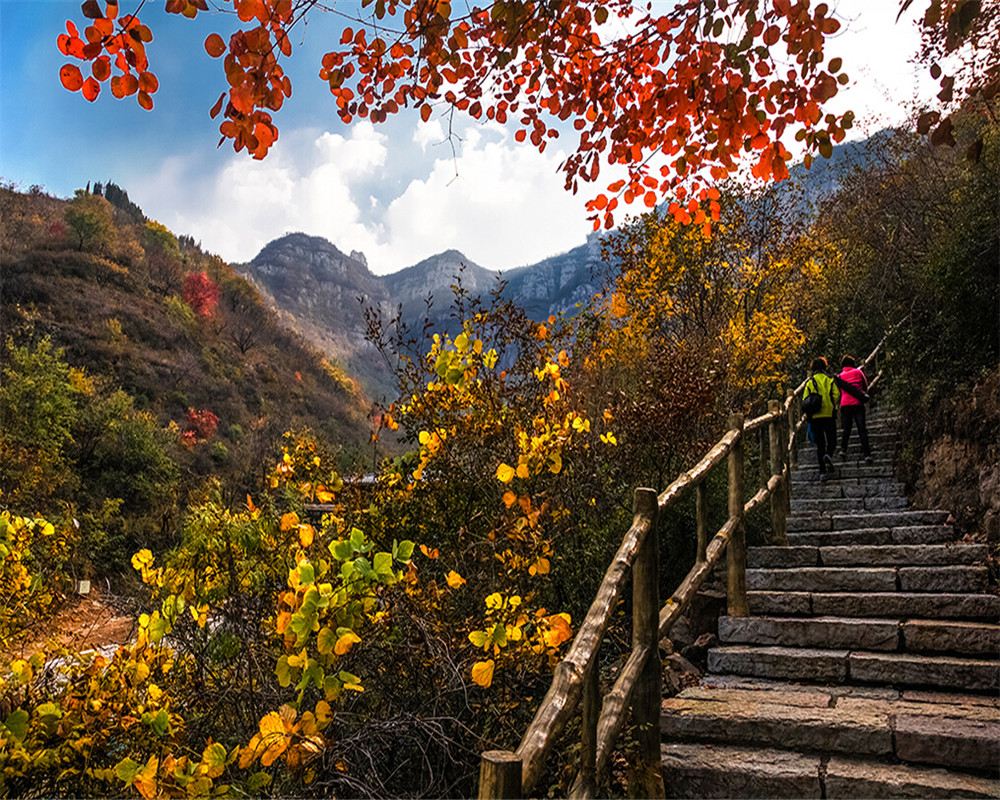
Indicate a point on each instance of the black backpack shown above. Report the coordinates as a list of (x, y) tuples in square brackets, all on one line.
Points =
[(812, 403)]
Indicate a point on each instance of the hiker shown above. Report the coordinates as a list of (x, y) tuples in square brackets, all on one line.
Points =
[(853, 384), (820, 409)]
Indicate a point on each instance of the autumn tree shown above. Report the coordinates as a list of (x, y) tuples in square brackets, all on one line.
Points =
[(91, 219)]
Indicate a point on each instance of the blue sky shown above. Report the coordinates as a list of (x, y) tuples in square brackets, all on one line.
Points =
[(393, 191)]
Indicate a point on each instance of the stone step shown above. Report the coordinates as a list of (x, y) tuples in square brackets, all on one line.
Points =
[(807, 457), (818, 720), (814, 490), (911, 535), (840, 666), (864, 555), (926, 605), (840, 505), (864, 519), (725, 771), (971, 578), (855, 633), (809, 470)]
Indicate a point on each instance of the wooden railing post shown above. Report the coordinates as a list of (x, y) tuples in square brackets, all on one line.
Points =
[(779, 507), (793, 419), (645, 634), (499, 775), (585, 785), (736, 578), (701, 520)]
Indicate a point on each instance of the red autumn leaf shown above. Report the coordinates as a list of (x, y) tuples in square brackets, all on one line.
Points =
[(148, 82), (101, 68), (145, 101), (71, 77), (91, 88), (214, 45)]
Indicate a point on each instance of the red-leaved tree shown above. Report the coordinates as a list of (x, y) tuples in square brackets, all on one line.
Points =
[(201, 293)]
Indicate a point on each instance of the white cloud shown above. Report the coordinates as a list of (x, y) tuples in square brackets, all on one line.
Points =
[(429, 133), (500, 203)]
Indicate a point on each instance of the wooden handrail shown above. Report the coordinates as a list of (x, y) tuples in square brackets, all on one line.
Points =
[(575, 681)]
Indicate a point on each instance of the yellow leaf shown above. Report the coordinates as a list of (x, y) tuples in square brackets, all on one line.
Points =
[(540, 567), (345, 643), (289, 521), (323, 494), (509, 498), (522, 471), (555, 463), (306, 534), (494, 601), (454, 580), (482, 673), (505, 473)]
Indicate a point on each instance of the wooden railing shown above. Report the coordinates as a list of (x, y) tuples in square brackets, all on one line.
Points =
[(575, 686)]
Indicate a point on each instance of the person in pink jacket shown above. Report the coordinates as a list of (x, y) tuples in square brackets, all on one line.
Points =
[(853, 395)]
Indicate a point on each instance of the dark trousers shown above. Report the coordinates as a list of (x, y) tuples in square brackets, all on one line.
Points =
[(825, 432), (854, 415)]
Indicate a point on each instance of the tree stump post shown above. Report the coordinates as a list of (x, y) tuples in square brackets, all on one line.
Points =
[(648, 693), (779, 507), (499, 775), (701, 520), (736, 552)]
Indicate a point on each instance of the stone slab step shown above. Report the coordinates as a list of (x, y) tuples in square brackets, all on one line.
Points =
[(841, 666), (849, 633), (842, 505), (861, 555), (864, 519), (810, 471), (943, 579), (928, 605), (817, 719), (814, 490), (726, 771), (880, 457), (942, 636), (910, 534), (980, 639), (853, 778)]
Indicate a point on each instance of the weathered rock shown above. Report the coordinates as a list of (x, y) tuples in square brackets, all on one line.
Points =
[(810, 522), (853, 778), (950, 698), (774, 692), (925, 670), (714, 771), (822, 579), (697, 651), (900, 554), (955, 743), (829, 632), (944, 579), (780, 662), (965, 638)]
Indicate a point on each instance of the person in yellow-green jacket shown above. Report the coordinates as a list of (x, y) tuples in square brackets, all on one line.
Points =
[(820, 410)]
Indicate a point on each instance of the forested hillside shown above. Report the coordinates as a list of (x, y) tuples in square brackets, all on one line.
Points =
[(137, 367)]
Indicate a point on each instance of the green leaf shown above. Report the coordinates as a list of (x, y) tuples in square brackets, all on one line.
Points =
[(307, 574), (383, 564), (159, 722), (341, 550), (478, 638), (258, 781), (404, 552), (126, 770), (358, 542), (325, 640), (17, 724), (284, 672)]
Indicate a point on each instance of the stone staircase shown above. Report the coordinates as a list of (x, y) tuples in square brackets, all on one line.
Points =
[(870, 664)]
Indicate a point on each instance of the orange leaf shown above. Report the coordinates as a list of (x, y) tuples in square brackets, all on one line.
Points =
[(91, 88), (71, 77), (145, 101), (148, 82)]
